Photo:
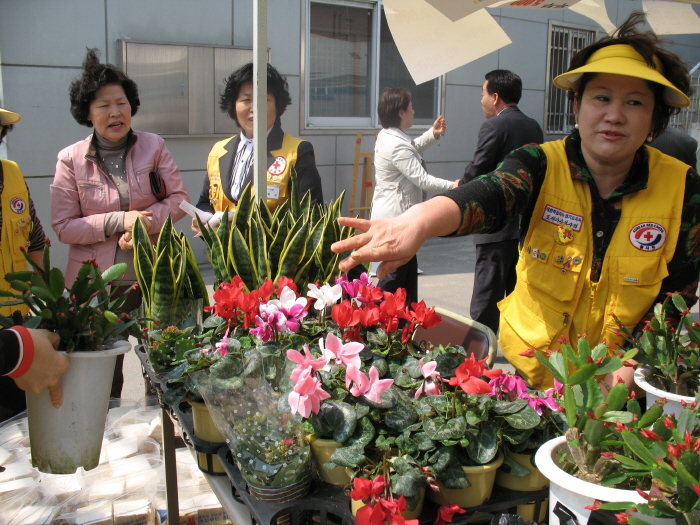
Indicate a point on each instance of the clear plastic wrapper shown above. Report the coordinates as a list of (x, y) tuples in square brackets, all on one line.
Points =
[(243, 397)]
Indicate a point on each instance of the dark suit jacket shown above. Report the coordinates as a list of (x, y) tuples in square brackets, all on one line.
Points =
[(308, 177), (678, 144), (498, 136)]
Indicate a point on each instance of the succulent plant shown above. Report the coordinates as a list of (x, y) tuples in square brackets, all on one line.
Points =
[(293, 241), (84, 315), (170, 281)]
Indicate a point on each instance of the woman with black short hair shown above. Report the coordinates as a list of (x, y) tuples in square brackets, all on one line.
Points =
[(107, 181), (230, 163)]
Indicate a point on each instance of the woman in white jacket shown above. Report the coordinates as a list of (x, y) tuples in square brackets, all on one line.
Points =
[(400, 175)]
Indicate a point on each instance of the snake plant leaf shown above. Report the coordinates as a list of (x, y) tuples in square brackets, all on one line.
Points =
[(294, 251), (294, 201), (164, 238), (242, 260), (258, 249), (143, 261), (244, 207), (331, 232), (265, 216), (162, 288), (224, 230), (204, 231), (218, 261), (305, 206), (274, 252), (198, 286)]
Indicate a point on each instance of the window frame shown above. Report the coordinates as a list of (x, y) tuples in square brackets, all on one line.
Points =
[(549, 85), (332, 124)]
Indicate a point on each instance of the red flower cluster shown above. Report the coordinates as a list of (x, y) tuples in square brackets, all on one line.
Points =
[(378, 510), (468, 376), (235, 305), (385, 309)]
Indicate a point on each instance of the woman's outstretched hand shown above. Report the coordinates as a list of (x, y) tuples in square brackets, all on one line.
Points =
[(394, 241)]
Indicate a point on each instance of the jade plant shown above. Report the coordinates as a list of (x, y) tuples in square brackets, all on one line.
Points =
[(84, 315), (292, 241), (670, 351)]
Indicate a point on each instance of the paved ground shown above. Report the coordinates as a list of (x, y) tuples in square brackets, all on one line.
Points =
[(447, 279)]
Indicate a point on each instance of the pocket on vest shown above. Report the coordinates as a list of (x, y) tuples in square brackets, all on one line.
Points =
[(551, 268), (637, 282)]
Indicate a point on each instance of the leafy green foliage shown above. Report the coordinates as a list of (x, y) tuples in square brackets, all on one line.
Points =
[(83, 315), (293, 241)]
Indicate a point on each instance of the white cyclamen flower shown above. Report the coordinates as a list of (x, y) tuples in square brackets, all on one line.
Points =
[(325, 296)]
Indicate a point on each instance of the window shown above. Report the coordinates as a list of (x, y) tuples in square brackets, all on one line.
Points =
[(350, 58), (564, 43)]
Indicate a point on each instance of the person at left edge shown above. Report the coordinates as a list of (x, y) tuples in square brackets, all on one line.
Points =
[(19, 229), (103, 183), (230, 163)]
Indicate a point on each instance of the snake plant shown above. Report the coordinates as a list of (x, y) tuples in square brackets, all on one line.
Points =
[(292, 241), (168, 275)]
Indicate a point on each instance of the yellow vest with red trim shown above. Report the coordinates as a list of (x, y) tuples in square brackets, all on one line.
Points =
[(554, 295), (278, 174), (16, 227)]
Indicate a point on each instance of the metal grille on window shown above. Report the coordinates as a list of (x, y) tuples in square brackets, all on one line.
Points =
[(688, 119), (565, 42)]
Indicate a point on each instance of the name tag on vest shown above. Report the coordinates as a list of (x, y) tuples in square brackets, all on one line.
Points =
[(556, 216)]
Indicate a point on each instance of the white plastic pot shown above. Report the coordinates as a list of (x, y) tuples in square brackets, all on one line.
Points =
[(63, 439), (673, 401), (575, 494)]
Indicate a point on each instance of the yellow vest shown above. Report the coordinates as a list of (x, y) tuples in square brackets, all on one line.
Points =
[(16, 227), (278, 174), (554, 295)]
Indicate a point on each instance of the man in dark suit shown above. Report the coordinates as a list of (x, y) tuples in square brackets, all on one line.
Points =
[(677, 144), (505, 129)]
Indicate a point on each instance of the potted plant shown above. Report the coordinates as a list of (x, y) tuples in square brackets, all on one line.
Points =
[(585, 467), (62, 439), (668, 354)]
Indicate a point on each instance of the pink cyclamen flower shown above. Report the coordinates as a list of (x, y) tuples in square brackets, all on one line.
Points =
[(305, 361), (337, 353), (507, 387), (264, 331), (538, 403), (292, 307), (307, 394), (222, 346), (352, 288), (431, 384), (372, 388), (558, 389)]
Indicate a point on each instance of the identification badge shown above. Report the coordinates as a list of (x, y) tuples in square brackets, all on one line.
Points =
[(273, 191)]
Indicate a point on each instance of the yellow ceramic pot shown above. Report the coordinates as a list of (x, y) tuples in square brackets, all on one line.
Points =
[(481, 477), (529, 483), (322, 450), (205, 429)]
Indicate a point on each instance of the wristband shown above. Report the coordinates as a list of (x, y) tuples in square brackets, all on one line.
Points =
[(26, 352)]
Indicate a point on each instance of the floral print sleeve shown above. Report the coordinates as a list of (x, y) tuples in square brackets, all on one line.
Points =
[(488, 203)]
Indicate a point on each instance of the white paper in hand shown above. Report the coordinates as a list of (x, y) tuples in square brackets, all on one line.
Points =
[(191, 210)]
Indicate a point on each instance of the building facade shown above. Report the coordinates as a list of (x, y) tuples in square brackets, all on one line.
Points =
[(337, 56)]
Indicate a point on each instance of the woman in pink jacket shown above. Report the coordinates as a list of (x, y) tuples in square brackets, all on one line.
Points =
[(107, 181)]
